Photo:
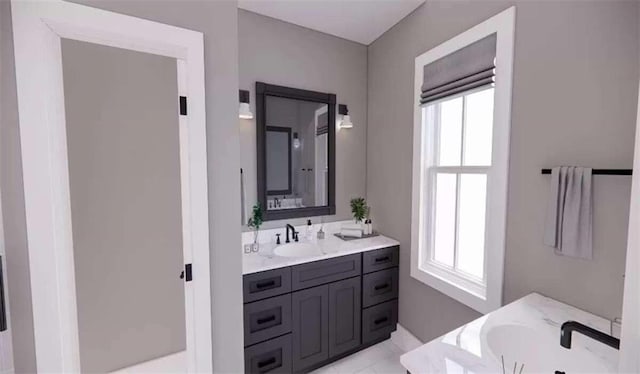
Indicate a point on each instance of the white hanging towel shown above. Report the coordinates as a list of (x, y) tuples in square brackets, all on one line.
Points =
[(568, 228)]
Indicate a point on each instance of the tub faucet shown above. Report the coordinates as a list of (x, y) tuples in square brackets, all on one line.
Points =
[(570, 326)]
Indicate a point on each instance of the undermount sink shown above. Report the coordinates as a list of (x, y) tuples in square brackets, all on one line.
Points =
[(297, 250), (539, 353)]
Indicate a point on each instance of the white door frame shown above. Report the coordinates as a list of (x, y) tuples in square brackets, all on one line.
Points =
[(630, 338), (6, 339), (320, 170), (37, 29)]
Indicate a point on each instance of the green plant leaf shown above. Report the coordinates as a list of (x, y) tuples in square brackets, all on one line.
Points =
[(256, 217), (359, 208)]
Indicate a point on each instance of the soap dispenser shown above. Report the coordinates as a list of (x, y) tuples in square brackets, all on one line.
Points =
[(309, 234), (320, 234)]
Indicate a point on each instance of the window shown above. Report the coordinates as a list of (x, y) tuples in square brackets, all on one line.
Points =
[(457, 184), (460, 170)]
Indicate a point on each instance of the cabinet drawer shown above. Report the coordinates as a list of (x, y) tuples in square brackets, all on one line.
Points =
[(265, 284), (321, 272), (379, 321), (380, 259), (379, 287), (272, 356), (266, 319)]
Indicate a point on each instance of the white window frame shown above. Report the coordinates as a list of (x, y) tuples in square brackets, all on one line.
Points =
[(484, 297), (38, 27), (630, 339)]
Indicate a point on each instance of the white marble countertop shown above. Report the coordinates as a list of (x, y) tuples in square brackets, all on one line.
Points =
[(527, 332), (329, 247)]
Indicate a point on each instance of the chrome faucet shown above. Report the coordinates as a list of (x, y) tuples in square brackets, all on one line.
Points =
[(570, 326)]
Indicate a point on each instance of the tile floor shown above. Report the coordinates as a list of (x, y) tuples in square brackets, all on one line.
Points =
[(382, 358)]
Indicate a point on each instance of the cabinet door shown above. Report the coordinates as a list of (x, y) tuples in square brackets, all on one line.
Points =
[(344, 316), (310, 330)]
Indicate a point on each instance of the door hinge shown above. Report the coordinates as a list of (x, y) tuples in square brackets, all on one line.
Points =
[(183, 105), (186, 274)]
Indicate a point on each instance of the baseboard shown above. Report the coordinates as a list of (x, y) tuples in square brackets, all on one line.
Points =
[(404, 339), (173, 363)]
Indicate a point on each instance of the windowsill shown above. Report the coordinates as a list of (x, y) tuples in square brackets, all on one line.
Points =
[(460, 289)]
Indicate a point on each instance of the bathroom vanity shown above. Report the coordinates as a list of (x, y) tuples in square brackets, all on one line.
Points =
[(303, 312)]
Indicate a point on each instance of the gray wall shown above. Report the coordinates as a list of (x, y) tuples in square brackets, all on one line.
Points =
[(124, 175), (574, 99), (218, 21), (281, 53)]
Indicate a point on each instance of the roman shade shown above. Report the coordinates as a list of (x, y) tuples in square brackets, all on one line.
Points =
[(323, 124), (465, 69)]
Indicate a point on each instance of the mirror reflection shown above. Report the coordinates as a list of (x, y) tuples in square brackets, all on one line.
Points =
[(296, 153)]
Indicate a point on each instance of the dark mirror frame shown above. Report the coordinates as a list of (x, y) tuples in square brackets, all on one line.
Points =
[(262, 91)]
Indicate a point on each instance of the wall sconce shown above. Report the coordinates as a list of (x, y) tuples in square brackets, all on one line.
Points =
[(245, 110), (345, 123), (296, 141)]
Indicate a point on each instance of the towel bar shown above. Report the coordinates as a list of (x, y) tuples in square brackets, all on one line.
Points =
[(602, 171)]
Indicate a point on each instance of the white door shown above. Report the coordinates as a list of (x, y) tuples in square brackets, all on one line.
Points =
[(123, 152), (54, 171)]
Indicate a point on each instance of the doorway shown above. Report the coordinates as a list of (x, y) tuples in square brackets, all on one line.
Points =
[(124, 179), (112, 127)]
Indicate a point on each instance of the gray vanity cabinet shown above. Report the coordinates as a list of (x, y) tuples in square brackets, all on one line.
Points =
[(305, 316), (310, 333)]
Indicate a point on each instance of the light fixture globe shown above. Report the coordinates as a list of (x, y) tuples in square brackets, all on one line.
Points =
[(346, 122), (296, 141), (245, 111)]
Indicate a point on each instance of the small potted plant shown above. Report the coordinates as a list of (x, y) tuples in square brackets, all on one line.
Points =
[(359, 209), (255, 222)]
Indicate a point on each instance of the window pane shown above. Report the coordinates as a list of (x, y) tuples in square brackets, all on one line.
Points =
[(479, 127), (450, 132), (445, 218), (473, 197)]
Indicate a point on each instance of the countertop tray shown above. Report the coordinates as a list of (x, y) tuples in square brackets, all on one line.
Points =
[(349, 238)]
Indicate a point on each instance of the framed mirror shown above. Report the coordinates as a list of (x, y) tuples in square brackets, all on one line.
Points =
[(296, 151)]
